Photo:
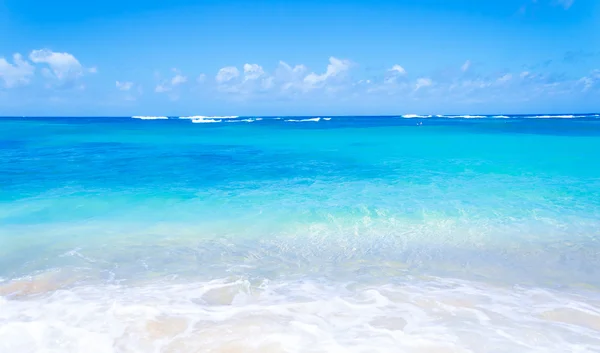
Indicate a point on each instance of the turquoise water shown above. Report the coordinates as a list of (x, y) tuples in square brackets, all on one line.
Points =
[(300, 234)]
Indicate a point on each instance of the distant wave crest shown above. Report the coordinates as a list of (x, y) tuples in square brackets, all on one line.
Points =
[(553, 116), (249, 120), (413, 116), (197, 117), (149, 117), (466, 116), (303, 120), (205, 120)]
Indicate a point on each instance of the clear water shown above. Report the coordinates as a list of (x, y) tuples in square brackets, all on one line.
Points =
[(345, 234)]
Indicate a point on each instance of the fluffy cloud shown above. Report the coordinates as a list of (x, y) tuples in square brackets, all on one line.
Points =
[(589, 81), (63, 67), (124, 86), (161, 88), (18, 73), (227, 73), (178, 80), (336, 68), (423, 82), (285, 80), (168, 85), (397, 69), (254, 80), (504, 78), (290, 77), (252, 71), (392, 75)]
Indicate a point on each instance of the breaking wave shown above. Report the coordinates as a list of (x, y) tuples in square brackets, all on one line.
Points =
[(149, 117), (303, 120), (413, 116)]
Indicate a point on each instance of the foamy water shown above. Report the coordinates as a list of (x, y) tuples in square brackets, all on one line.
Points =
[(260, 315), (353, 234)]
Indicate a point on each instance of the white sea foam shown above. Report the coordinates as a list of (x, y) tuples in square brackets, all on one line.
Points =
[(205, 120), (551, 116), (466, 116), (501, 117), (326, 119), (303, 120), (150, 117), (243, 120), (412, 116), (243, 315), (202, 117)]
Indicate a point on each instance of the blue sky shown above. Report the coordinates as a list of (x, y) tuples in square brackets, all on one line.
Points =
[(182, 57)]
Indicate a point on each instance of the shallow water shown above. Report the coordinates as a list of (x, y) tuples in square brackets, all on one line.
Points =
[(353, 234)]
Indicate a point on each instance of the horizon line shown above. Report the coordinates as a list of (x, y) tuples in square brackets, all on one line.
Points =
[(416, 116)]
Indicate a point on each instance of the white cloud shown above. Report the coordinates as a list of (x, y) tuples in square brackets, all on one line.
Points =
[(505, 78), (286, 79), (286, 70), (168, 85), (255, 80), (62, 66), (252, 71), (268, 83), (423, 82), (589, 81), (124, 86), (586, 82), (394, 74), (18, 73), (227, 73), (466, 66), (336, 67), (201, 78), (131, 92), (398, 70), (178, 79), (290, 77), (161, 88)]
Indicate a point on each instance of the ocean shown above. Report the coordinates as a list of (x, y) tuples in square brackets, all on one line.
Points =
[(300, 234)]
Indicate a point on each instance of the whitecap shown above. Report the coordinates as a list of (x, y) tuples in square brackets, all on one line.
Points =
[(550, 116), (413, 116), (303, 120), (149, 117), (205, 120), (241, 120), (196, 117), (466, 116)]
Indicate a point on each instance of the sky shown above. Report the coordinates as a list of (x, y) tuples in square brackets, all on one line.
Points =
[(289, 57)]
